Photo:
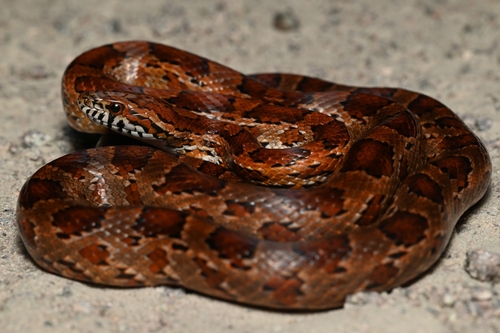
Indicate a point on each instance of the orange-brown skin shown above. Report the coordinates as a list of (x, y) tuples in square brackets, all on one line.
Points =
[(368, 200)]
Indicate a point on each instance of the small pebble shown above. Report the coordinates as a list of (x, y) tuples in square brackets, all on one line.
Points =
[(286, 21), (482, 294), (449, 299), (34, 138), (484, 124), (483, 265)]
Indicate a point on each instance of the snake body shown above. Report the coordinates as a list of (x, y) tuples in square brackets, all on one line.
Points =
[(274, 190)]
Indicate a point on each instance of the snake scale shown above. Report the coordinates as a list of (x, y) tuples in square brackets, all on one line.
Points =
[(274, 190)]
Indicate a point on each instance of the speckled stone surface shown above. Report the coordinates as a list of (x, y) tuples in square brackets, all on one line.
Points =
[(447, 49)]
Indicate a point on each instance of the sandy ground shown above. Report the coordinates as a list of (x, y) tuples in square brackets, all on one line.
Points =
[(448, 49)]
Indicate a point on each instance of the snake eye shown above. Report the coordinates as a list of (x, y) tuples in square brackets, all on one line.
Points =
[(114, 107)]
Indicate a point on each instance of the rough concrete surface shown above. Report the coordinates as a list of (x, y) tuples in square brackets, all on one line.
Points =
[(449, 49)]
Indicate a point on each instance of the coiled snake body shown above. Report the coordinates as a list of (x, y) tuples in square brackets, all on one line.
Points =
[(274, 190)]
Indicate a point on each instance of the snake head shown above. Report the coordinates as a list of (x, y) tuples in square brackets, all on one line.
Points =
[(119, 112)]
